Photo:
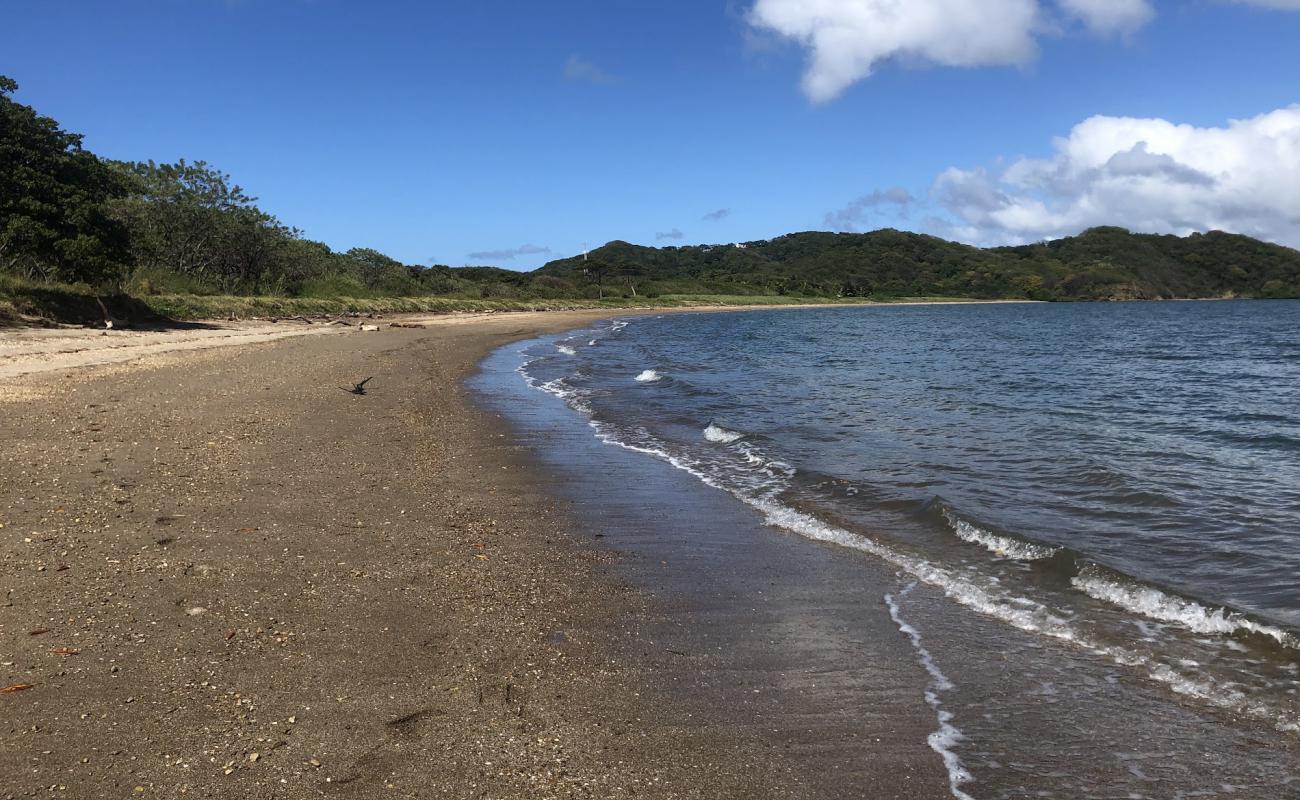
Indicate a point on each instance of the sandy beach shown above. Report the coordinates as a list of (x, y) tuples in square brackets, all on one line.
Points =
[(225, 576)]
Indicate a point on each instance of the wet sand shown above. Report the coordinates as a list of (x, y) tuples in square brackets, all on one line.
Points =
[(224, 576)]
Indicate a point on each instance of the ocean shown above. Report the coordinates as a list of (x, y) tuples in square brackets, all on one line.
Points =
[(1090, 512)]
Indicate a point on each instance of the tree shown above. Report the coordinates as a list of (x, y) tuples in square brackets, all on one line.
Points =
[(381, 273), (54, 220), (177, 214)]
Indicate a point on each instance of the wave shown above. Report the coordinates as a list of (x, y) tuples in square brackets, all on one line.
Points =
[(565, 349), (648, 376), (1154, 604), (1031, 616), (1117, 589), (716, 433), (1003, 546), (984, 595), (759, 481)]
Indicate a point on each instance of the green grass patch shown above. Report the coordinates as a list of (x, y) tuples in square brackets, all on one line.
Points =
[(25, 302)]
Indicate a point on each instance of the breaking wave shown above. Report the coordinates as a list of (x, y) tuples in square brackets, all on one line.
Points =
[(1002, 546), (759, 480), (1155, 604)]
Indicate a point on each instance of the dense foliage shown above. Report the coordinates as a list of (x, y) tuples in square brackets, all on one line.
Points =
[(69, 216), (1099, 264), (54, 201)]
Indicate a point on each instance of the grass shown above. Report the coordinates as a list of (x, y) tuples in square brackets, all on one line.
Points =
[(25, 303)]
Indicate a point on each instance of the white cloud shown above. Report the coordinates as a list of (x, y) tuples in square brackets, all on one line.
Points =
[(866, 209), (1144, 174), (1110, 16), (847, 38), (509, 253), (577, 69), (1283, 5)]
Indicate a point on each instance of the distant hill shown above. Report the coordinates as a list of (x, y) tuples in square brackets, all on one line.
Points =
[(1099, 264), (74, 226)]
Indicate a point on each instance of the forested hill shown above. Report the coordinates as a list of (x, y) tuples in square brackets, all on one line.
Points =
[(75, 226), (1099, 264)]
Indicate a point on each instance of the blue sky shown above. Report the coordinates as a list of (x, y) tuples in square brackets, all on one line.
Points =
[(511, 133)]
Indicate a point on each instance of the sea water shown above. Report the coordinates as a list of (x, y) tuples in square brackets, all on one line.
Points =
[(1108, 493)]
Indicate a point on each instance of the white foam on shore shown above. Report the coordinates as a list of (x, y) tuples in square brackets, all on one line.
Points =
[(717, 433), (1029, 615), (980, 594), (648, 376), (1019, 612), (1155, 604), (948, 736), (1003, 546)]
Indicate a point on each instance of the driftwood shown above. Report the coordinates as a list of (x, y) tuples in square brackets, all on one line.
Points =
[(108, 318)]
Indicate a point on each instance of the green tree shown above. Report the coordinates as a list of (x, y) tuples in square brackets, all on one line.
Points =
[(54, 220), (179, 216), (382, 274)]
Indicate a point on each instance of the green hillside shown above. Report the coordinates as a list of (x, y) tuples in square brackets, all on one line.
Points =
[(82, 237), (1099, 264)]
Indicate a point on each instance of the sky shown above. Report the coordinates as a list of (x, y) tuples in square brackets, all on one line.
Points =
[(512, 133)]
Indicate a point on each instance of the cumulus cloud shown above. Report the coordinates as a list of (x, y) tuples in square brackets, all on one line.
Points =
[(508, 254), (577, 69), (1144, 174), (717, 216), (853, 216), (1282, 5), (672, 234), (847, 39), (1110, 16)]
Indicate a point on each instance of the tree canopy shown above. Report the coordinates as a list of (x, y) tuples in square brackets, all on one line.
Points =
[(69, 216), (54, 214)]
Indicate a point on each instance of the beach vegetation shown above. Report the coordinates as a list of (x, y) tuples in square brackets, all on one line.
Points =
[(80, 233)]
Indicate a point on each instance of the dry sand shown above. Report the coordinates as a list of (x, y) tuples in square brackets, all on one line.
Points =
[(223, 576)]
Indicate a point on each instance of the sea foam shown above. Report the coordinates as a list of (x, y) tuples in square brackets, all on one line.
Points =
[(948, 736), (983, 596), (648, 376), (1003, 546), (717, 433), (1155, 604)]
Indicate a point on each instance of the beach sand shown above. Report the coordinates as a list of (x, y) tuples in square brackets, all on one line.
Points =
[(224, 576)]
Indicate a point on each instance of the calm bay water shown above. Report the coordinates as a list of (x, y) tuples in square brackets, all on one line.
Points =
[(1122, 480)]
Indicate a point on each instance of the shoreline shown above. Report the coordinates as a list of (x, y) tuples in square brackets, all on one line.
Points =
[(228, 578), (28, 350), (703, 548)]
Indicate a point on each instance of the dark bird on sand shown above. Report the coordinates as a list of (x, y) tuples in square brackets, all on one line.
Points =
[(357, 388)]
